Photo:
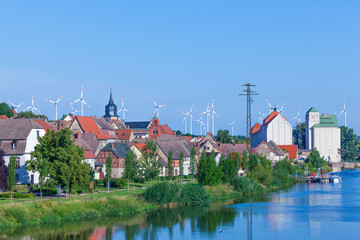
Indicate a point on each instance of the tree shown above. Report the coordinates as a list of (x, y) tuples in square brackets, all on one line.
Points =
[(178, 133), (192, 162), (65, 159), (181, 165), (299, 133), (5, 109), (108, 171), (244, 160), (149, 161), (4, 172), (227, 168), (315, 161), (223, 136), (130, 169), (40, 165), (11, 177), (29, 114), (208, 172), (170, 164), (348, 143)]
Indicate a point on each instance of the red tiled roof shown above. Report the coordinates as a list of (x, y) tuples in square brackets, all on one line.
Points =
[(3, 117), (256, 128), (123, 134), (291, 149), (88, 125), (44, 124), (271, 117), (189, 137), (140, 146)]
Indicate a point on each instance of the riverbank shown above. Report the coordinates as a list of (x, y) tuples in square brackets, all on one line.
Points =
[(92, 206)]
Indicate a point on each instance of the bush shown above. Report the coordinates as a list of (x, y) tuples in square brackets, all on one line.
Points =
[(246, 185), (194, 195), (162, 193), (140, 180), (80, 189), (282, 178), (118, 183), (45, 191), (16, 195)]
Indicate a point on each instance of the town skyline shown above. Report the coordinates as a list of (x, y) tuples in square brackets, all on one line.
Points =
[(186, 54)]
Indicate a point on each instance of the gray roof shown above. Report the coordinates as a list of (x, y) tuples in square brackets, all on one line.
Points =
[(119, 149), (90, 139), (176, 146), (228, 148), (103, 124), (16, 129), (138, 125)]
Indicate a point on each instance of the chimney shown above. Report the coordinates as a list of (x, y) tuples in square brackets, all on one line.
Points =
[(78, 135)]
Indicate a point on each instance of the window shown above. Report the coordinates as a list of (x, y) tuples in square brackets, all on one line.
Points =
[(13, 144), (38, 134), (18, 162)]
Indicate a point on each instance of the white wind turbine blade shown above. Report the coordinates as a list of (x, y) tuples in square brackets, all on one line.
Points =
[(215, 113), (49, 100), (86, 104), (75, 101), (36, 109), (19, 105), (27, 108), (154, 102), (162, 106), (269, 104), (11, 103), (59, 99), (82, 91)]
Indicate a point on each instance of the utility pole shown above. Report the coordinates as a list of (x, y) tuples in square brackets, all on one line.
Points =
[(248, 93)]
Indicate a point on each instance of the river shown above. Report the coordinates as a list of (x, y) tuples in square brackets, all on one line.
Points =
[(306, 211)]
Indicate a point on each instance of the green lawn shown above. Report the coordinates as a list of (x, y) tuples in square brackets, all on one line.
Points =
[(100, 192)]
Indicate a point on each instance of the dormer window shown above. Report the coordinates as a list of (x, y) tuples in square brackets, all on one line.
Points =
[(13, 144)]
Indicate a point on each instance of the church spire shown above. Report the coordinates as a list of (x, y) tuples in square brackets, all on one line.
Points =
[(111, 101)]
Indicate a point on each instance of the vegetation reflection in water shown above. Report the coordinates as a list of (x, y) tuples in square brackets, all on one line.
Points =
[(202, 219)]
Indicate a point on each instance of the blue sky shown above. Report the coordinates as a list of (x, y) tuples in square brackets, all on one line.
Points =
[(183, 53)]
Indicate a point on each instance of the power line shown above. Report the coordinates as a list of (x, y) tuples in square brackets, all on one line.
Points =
[(248, 93)]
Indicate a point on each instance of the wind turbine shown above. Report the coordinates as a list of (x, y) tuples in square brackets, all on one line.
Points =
[(81, 99), (232, 127), (281, 109), (56, 104), (157, 107), (123, 109), (185, 120), (213, 117), (272, 108), (297, 118), (189, 114), (207, 112), (344, 111), (14, 106), (73, 112), (32, 107), (261, 117)]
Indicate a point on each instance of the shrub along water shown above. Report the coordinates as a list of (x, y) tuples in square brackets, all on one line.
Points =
[(170, 193)]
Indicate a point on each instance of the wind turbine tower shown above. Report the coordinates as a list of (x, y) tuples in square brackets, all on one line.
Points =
[(56, 105), (82, 100), (189, 114), (185, 121), (213, 117), (207, 112), (232, 127), (74, 111), (344, 111)]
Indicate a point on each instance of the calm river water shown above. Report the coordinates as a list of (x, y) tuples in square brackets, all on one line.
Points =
[(307, 211)]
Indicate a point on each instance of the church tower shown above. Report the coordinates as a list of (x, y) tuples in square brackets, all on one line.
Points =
[(111, 109)]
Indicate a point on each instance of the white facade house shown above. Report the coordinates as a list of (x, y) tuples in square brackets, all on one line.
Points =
[(324, 134), (274, 128), (18, 137)]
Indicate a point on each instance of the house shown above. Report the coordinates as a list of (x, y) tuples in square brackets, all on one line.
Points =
[(275, 128), (291, 150), (177, 147), (125, 135), (117, 152), (149, 129), (323, 133), (228, 148), (208, 144), (271, 151), (89, 156), (18, 137)]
